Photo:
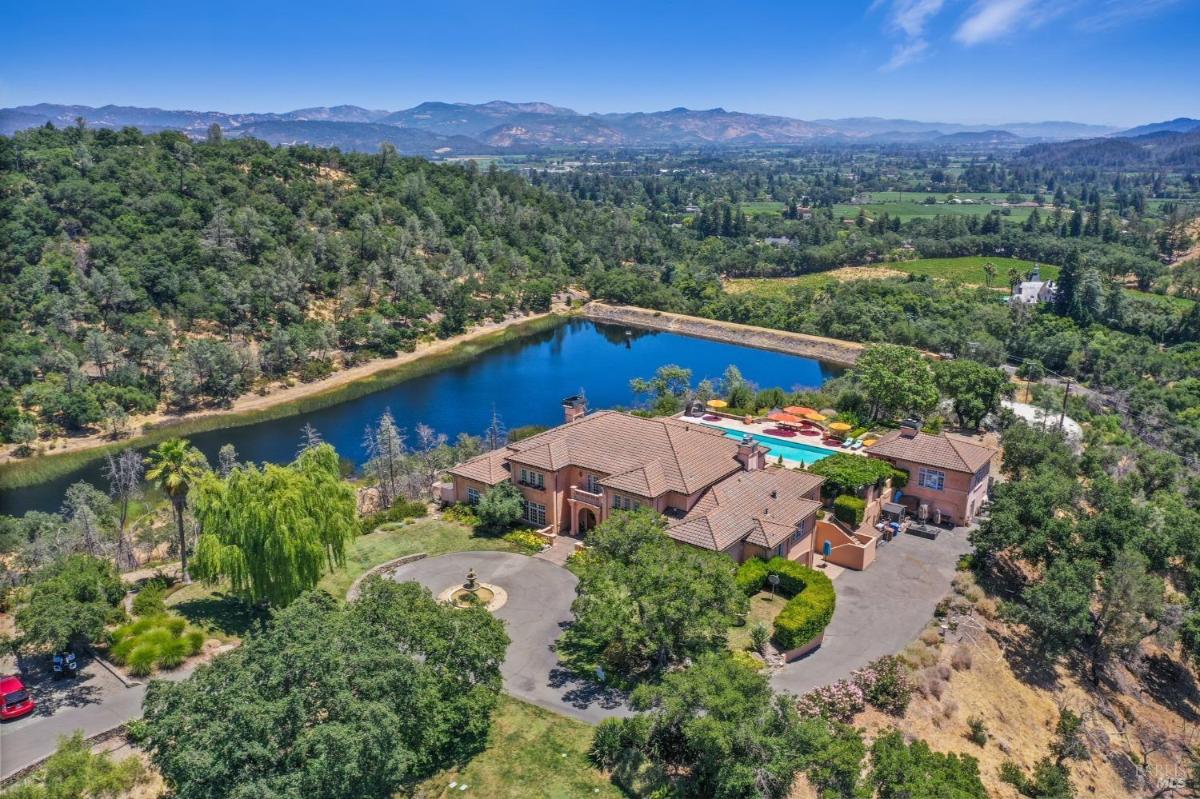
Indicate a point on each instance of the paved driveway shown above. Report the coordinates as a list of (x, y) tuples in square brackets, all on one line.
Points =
[(538, 609), (94, 702), (880, 610)]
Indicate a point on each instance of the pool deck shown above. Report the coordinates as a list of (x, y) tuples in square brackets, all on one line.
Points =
[(758, 429)]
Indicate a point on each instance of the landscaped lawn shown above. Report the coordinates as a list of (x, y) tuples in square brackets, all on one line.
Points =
[(763, 208), (531, 753), (431, 536), (763, 608), (211, 606)]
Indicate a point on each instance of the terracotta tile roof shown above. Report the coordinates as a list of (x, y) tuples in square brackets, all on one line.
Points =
[(633, 454), (940, 451), (490, 467), (763, 507)]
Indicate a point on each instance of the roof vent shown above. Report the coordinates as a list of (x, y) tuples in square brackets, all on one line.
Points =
[(774, 494)]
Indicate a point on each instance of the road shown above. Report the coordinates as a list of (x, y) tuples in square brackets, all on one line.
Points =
[(93, 702)]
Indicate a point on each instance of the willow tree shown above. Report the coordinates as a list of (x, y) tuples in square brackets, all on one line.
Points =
[(272, 532)]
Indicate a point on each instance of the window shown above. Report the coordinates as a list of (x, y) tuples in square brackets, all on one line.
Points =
[(592, 484), (472, 496), (621, 502), (931, 479), (532, 479), (535, 513)]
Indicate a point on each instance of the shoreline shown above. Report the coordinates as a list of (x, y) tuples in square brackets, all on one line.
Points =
[(830, 350), (17, 472)]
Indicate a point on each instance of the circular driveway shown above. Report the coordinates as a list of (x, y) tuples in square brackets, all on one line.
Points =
[(536, 613)]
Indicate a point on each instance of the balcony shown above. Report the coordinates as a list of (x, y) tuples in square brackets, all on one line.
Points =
[(581, 494)]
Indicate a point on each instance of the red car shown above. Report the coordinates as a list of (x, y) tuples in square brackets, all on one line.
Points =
[(14, 699)]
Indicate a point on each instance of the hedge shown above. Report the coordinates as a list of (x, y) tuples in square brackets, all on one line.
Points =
[(849, 509), (810, 608)]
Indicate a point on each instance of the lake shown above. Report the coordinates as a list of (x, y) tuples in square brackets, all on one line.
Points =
[(523, 381)]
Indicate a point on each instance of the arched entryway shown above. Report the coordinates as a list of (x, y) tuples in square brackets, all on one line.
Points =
[(586, 521)]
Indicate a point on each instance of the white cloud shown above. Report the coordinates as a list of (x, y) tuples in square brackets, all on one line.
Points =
[(904, 54), (991, 19), (909, 19)]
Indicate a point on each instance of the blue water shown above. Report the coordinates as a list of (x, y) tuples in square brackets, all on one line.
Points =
[(790, 450), (524, 380)]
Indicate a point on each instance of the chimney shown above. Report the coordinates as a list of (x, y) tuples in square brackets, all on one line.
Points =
[(574, 407), (909, 428), (750, 454)]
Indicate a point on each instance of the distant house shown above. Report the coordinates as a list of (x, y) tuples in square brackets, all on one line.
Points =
[(691, 209), (803, 212), (1035, 290), (778, 241), (947, 475)]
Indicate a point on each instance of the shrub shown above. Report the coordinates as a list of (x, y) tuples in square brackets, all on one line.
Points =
[(849, 510), (759, 635), (810, 608), (935, 688), (162, 641), (462, 514), (885, 685), (527, 542), (930, 637), (751, 576), (841, 702), (149, 601), (962, 659), (743, 658), (806, 614), (978, 731), (400, 511)]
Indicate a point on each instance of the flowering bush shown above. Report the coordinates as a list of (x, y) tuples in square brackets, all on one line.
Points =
[(841, 701), (526, 541), (885, 684), (461, 513)]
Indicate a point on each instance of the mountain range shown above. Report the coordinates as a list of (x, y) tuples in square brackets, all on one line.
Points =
[(439, 129)]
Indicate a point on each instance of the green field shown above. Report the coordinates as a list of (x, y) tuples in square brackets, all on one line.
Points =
[(916, 209), (968, 270), (763, 208)]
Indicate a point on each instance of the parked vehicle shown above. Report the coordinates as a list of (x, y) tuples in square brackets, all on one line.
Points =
[(65, 664), (15, 700)]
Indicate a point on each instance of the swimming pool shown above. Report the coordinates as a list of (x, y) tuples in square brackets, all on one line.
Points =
[(790, 450)]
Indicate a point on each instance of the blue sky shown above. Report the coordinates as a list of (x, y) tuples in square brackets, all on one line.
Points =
[(1107, 61)]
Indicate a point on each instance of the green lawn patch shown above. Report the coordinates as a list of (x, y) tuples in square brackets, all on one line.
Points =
[(969, 269), (531, 753), (918, 209), (763, 609), (225, 615), (431, 536)]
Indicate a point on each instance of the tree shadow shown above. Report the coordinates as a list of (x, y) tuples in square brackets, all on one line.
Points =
[(223, 612), (583, 693), (56, 693), (1028, 663), (1171, 685)]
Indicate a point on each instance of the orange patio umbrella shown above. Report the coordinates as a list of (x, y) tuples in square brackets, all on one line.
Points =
[(781, 416), (816, 417), (717, 403), (799, 410)]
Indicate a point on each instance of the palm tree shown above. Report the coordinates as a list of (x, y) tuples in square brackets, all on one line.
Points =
[(174, 466), (989, 273), (1014, 277)]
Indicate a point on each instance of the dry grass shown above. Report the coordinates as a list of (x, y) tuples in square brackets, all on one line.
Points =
[(976, 678)]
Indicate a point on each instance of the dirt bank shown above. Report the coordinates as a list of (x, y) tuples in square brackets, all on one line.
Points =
[(830, 350)]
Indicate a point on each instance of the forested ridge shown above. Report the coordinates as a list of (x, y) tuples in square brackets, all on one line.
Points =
[(138, 270)]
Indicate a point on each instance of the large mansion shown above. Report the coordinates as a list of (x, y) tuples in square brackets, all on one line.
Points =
[(716, 492)]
